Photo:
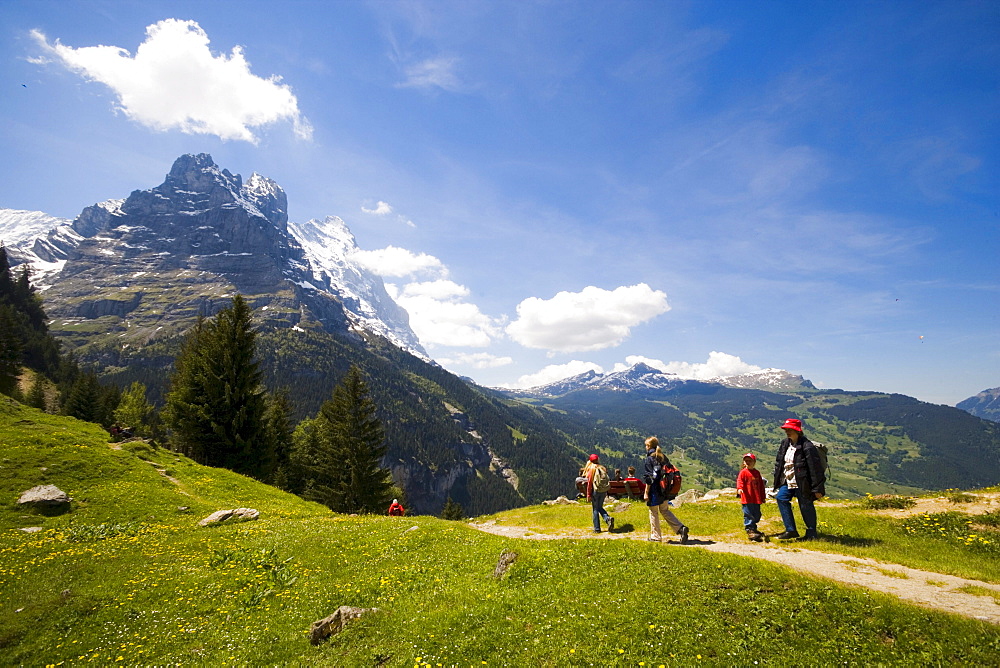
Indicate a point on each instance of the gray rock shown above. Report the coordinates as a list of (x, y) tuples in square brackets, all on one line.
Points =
[(324, 628), (561, 501), (44, 496), (689, 496), (30, 529), (231, 516), (507, 557)]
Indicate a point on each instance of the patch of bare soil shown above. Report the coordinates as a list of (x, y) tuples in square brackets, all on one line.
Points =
[(984, 502), (936, 591)]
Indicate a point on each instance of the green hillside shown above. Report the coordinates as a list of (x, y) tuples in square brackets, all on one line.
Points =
[(127, 577), (878, 443)]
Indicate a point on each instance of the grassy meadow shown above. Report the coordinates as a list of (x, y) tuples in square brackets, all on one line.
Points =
[(128, 578)]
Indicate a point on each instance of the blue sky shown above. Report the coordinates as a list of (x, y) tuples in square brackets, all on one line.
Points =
[(554, 186)]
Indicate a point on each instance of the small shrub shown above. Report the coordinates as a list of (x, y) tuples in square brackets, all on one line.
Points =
[(991, 518), (883, 501), (958, 496)]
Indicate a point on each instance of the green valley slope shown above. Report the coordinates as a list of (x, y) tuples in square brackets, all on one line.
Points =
[(127, 577)]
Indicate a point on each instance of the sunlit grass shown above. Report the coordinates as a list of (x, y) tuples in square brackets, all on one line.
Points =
[(128, 578)]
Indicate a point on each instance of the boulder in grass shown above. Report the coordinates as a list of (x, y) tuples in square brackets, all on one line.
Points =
[(561, 501), (689, 496), (230, 516), (322, 629), (44, 496)]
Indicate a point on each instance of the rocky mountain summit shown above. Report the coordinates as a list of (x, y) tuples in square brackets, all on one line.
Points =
[(144, 267)]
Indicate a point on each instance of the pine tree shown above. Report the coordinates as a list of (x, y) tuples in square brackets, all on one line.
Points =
[(10, 350), (278, 423), (84, 400), (349, 474), (216, 403), (452, 511), (36, 393)]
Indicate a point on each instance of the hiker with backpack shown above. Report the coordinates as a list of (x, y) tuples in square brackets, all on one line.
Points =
[(750, 487), (798, 472), (598, 483), (659, 490)]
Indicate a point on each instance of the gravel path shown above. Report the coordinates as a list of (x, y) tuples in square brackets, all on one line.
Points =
[(936, 591)]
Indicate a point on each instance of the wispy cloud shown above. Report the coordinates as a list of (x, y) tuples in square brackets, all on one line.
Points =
[(174, 82), (591, 319), (475, 360), (439, 72), (381, 209)]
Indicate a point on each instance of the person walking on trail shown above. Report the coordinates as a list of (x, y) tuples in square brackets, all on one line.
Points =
[(655, 461), (750, 487), (798, 473), (396, 509), (598, 482)]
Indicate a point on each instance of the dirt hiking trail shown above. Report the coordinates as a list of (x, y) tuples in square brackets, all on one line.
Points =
[(936, 591)]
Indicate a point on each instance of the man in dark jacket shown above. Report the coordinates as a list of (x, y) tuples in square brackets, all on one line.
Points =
[(798, 472)]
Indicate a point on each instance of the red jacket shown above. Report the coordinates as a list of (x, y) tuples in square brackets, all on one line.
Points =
[(750, 485), (397, 509)]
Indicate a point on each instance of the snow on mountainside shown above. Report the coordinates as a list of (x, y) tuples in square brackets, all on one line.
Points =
[(18, 226), (329, 247), (644, 377)]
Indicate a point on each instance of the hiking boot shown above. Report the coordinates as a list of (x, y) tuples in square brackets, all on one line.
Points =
[(785, 535), (684, 535), (810, 535), (755, 536), (611, 524)]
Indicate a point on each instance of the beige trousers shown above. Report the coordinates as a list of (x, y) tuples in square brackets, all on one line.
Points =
[(654, 520)]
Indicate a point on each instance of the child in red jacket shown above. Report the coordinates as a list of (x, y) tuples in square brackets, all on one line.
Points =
[(750, 487)]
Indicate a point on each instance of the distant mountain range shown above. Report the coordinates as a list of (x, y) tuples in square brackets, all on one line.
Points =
[(986, 404), (644, 378)]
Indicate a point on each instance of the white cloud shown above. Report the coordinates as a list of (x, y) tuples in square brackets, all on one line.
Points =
[(555, 372), (719, 365), (475, 360), (433, 73), (439, 317), (381, 209), (591, 319), (399, 262), (175, 83)]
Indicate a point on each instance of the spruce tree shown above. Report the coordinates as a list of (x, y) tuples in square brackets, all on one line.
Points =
[(352, 443), (216, 403)]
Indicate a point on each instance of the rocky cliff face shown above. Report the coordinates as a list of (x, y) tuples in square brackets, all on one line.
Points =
[(145, 267)]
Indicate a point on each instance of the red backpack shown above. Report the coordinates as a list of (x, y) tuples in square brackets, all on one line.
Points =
[(669, 480)]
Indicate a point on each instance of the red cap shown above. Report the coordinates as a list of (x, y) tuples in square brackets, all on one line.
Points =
[(593, 458), (792, 423), (750, 455)]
